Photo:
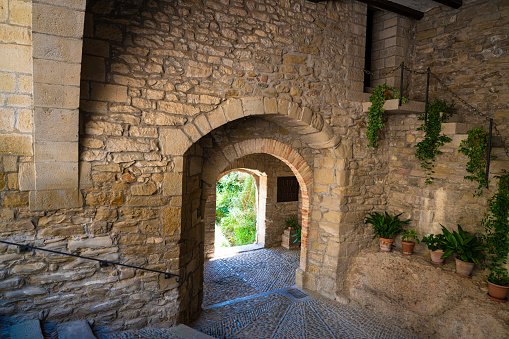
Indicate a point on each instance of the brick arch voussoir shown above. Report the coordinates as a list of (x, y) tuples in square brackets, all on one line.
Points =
[(217, 163)]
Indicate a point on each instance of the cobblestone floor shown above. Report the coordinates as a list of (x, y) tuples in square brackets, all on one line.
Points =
[(250, 296), (264, 278)]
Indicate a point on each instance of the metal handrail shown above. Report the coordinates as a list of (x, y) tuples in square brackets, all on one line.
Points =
[(102, 263)]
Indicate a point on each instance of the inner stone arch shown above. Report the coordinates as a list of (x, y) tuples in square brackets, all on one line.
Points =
[(201, 169)]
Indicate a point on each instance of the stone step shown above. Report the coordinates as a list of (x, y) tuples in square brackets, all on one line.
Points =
[(75, 329), (392, 106), (186, 332), (26, 330), (451, 128)]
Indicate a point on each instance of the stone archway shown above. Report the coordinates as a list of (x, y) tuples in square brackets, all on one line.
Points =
[(200, 172)]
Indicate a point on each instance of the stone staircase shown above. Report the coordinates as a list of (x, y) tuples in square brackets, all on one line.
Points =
[(80, 329)]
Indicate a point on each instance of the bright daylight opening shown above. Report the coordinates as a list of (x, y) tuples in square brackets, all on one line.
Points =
[(235, 210)]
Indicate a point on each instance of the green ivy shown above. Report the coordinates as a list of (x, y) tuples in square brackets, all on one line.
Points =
[(475, 147), (375, 112), (428, 148), (496, 227)]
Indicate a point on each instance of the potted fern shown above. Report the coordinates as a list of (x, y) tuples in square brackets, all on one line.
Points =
[(496, 238), (468, 248), (386, 227), (408, 240)]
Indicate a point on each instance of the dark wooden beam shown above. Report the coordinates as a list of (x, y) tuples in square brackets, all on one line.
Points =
[(451, 3), (395, 8)]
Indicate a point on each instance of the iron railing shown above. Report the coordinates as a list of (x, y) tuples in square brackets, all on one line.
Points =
[(102, 263)]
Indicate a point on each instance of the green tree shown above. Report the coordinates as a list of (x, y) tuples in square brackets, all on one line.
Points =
[(236, 208)]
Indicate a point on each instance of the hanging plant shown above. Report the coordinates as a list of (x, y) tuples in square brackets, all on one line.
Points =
[(375, 111), (428, 148), (475, 147), (496, 226)]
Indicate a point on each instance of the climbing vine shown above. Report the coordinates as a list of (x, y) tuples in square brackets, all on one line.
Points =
[(375, 112), (475, 147), (427, 149)]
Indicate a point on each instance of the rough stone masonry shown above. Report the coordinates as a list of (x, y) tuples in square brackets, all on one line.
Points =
[(117, 118)]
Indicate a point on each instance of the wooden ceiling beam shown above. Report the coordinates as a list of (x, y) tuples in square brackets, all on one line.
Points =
[(396, 8)]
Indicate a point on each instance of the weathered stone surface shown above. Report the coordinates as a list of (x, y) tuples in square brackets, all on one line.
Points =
[(148, 188), (16, 144), (6, 214), (11, 283), (61, 231), (170, 219), (28, 268), (26, 292), (431, 300), (173, 141), (163, 119), (146, 201), (96, 242), (106, 214), (113, 198)]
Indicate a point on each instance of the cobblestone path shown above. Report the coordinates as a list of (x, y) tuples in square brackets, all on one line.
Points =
[(251, 296), (267, 306)]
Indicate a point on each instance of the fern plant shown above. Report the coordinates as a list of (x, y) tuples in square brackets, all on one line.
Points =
[(428, 148), (385, 226)]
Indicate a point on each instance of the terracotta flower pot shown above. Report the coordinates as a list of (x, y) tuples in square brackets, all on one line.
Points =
[(497, 292), (436, 257), (464, 268), (408, 247), (386, 244)]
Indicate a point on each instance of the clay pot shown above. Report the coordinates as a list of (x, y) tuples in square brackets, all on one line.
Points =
[(436, 257), (386, 244), (497, 292), (464, 268), (408, 247)]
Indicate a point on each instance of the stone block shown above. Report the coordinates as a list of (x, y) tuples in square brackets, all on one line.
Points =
[(216, 118), (56, 96), (25, 120), (11, 283), (7, 82), (56, 175), (56, 72), (163, 119), (6, 214), (16, 226), (49, 122), (85, 177), (177, 108), (173, 141), (253, 106), (54, 47), (25, 293), (28, 268), (150, 226), (96, 242), (148, 188), (15, 200), (170, 220), (324, 176), (7, 118), (294, 59), (233, 109), (26, 177), (198, 69), (172, 184), (4, 10), (113, 198), (107, 92), (56, 20), (55, 199), (283, 106), (16, 58), (270, 105), (48, 151)]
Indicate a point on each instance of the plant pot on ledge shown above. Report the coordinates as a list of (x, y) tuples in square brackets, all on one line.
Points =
[(386, 244), (408, 247), (436, 257), (497, 292), (464, 268)]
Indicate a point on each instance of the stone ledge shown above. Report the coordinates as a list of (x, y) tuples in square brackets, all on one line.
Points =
[(392, 106), (432, 300)]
